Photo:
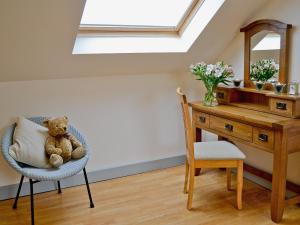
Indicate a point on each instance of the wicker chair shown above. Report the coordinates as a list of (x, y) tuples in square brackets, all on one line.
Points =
[(36, 174)]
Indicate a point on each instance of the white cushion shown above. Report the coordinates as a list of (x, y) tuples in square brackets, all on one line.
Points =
[(29, 143), (217, 150)]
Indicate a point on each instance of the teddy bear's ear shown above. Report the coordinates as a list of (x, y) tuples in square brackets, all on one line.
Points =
[(66, 118), (46, 122)]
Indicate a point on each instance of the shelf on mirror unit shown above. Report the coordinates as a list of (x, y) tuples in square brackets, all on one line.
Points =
[(244, 89), (260, 100), (252, 90), (262, 92), (253, 106), (284, 96)]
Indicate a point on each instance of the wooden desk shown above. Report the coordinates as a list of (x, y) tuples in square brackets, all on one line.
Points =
[(275, 134)]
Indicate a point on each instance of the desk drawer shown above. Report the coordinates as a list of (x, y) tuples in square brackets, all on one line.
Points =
[(230, 127), (263, 138), (201, 119), (281, 106)]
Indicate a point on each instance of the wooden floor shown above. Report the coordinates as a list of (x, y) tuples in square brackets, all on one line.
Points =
[(150, 198)]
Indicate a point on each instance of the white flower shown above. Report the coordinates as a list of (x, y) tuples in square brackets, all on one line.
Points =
[(229, 70), (209, 69), (219, 71), (201, 64), (218, 64)]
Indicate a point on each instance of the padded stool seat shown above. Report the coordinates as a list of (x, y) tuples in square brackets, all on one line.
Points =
[(217, 150)]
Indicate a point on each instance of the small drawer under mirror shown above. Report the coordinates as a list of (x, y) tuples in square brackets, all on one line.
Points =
[(281, 106), (260, 100)]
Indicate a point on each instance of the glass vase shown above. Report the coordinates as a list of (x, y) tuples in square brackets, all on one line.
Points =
[(278, 87), (259, 85), (210, 97)]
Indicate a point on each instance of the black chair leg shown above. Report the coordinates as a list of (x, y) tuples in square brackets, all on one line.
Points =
[(88, 188), (18, 193), (58, 186), (31, 201)]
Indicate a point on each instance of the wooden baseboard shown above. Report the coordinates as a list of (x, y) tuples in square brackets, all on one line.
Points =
[(268, 176)]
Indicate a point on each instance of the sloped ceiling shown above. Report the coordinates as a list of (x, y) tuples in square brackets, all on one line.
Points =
[(37, 38)]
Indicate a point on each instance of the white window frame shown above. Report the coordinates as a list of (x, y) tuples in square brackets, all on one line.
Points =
[(113, 40), (130, 30)]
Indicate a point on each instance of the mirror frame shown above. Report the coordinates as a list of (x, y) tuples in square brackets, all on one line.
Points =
[(270, 25)]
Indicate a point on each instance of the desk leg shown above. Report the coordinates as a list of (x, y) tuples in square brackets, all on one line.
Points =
[(198, 138), (279, 176)]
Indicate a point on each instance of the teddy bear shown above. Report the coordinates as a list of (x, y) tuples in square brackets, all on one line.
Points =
[(60, 145)]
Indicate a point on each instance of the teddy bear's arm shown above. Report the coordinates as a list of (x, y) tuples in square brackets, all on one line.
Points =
[(50, 146), (74, 141)]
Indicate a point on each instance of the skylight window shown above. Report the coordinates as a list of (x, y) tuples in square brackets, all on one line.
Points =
[(142, 26), (145, 13)]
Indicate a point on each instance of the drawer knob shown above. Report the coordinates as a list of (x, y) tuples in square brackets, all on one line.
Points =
[(202, 119), (228, 127), (220, 95), (263, 137), (281, 105)]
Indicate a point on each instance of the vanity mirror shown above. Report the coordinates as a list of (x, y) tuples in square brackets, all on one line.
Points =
[(266, 51), (266, 42)]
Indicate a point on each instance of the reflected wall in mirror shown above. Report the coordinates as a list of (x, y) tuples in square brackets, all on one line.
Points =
[(265, 56), (266, 45)]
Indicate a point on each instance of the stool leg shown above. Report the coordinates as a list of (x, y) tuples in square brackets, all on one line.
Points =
[(18, 193), (31, 201), (186, 178), (88, 188), (228, 172), (58, 186)]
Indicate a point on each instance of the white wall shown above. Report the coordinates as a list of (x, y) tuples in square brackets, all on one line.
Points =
[(126, 119), (286, 11)]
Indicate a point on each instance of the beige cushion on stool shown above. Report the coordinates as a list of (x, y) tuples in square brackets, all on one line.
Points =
[(217, 150)]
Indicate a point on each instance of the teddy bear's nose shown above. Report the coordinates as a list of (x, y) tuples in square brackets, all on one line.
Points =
[(65, 128)]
